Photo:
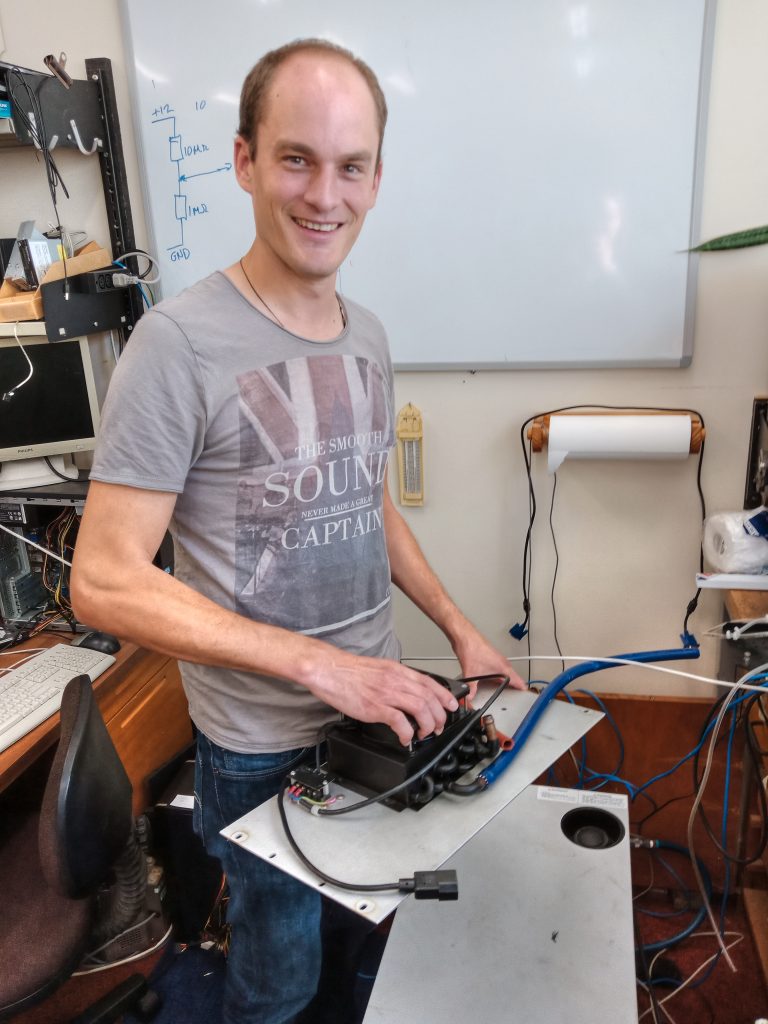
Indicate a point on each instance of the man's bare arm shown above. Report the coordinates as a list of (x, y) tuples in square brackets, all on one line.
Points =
[(412, 574), (116, 587)]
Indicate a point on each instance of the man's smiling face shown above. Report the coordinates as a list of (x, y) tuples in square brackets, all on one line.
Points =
[(313, 177)]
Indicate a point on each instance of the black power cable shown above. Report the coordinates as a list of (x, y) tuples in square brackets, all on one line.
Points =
[(554, 577), (638, 826), (471, 720), (37, 132), (422, 883), (55, 471)]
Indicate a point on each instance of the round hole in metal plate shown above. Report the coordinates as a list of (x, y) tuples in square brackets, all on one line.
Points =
[(239, 836), (365, 906), (592, 828)]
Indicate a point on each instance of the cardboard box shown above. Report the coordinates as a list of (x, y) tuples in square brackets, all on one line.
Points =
[(17, 305)]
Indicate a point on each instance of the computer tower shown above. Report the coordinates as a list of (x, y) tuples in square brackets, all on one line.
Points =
[(193, 878)]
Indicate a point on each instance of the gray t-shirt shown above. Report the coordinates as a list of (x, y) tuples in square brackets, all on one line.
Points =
[(276, 447)]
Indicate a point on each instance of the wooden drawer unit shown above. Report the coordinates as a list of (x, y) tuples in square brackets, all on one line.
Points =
[(141, 700), (148, 721)]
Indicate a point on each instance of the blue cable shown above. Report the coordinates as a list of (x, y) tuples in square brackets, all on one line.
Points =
[(141, 288), (683, 888), (670, 870), (605, 777), (612, 723), (583, 761), (669, 771), (608, 777), (692, 753), (724, 829), (526, 727), (727, 789), (654, 947), (529, 722), (723, 839), (664, 917)]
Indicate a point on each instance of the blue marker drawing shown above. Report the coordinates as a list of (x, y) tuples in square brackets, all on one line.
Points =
[(227, 167), (177, 152)]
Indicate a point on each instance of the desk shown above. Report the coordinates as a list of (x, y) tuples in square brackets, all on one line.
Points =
[(143, 705), (746, 604)]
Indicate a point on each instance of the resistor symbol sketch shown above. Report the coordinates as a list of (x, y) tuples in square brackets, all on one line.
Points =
[(178, 151)]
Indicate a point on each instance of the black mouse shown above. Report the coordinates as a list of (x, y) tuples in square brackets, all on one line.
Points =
[(96, 641)]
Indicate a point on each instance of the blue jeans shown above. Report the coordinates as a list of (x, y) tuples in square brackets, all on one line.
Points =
[(275, 950)]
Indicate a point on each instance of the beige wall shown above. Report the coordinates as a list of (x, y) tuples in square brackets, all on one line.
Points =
[(627, 535)]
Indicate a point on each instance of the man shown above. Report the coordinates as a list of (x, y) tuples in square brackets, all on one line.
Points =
[(254, 414)]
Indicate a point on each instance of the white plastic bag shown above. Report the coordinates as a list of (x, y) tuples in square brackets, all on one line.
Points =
[(729, 548)]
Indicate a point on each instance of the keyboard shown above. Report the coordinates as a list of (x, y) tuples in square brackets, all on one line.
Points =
[(31, 692)]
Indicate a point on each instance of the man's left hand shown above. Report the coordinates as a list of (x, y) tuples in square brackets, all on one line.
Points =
[(478, 657)]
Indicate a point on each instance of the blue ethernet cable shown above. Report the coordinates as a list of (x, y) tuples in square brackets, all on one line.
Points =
[(582, 767), (586, 774), (654, 947), (692, 753), (526, 727), (724, 840), (139, 285)]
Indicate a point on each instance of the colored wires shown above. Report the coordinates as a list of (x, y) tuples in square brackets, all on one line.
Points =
[(59, 537), (32, 544), (299, 796)]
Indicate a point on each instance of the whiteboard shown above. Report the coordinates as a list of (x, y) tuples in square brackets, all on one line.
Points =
[(541, 166)]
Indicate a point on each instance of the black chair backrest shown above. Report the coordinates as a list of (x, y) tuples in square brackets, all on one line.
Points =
[(86, 814)]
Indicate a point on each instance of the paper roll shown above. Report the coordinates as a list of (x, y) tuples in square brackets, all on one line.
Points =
[(617, 437)]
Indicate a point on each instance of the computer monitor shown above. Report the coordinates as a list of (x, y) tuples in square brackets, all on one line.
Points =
[(48, 410)]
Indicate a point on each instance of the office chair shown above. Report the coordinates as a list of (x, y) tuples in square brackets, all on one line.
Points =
[(53, 864)]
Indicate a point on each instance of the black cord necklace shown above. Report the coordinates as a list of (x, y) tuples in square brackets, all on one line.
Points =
[(273, 314)]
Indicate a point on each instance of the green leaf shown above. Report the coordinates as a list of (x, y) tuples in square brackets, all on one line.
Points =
[(737, 240)]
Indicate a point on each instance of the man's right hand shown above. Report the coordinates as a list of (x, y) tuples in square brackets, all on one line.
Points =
[(381, 690)]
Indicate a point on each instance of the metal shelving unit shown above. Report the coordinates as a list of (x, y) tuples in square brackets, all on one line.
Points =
[(82, 117)]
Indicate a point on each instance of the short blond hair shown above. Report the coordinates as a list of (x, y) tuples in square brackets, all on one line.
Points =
[(257, 82)]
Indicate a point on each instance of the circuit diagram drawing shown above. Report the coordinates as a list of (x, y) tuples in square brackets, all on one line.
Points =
[(190, 160)]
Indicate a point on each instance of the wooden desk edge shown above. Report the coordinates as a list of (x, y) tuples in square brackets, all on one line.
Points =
[(20, 755), (746, 604)]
